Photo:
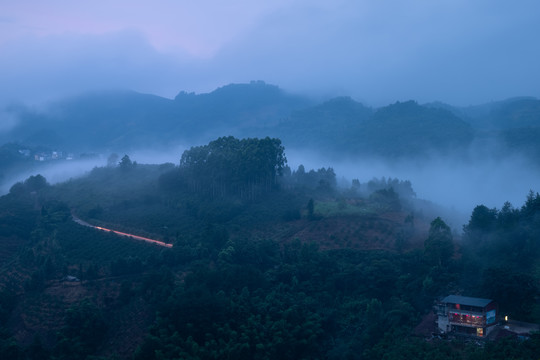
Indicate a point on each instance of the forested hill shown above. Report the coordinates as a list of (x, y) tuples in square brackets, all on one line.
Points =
[(237, 106), (120, 121), (403, 129), (266, 262), (518, 112), (512, 124)]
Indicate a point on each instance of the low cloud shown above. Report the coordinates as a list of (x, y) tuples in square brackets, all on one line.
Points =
[(376, 52), (54, 172), (7, 121), (42, 69), (456, 183)]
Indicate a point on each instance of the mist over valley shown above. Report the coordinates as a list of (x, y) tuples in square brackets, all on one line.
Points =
[(455, 157)]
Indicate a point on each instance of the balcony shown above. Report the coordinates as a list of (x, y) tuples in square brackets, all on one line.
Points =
[(466, 319)]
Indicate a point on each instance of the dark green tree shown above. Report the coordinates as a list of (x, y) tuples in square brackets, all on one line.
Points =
[(35, 183), (84, 330), (125, 163), (439, 246), (482, 219)]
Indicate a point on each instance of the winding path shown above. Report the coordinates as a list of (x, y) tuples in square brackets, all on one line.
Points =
[(136, 237)]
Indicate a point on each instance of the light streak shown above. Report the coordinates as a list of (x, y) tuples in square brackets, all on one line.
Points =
[(136, 237)]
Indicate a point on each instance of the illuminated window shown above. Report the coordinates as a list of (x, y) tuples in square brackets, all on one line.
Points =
[(480, 332)]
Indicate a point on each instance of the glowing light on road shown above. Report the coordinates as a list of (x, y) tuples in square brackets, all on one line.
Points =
[(136, 237)]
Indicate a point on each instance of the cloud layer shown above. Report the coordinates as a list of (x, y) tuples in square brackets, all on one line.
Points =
[(460, 52)]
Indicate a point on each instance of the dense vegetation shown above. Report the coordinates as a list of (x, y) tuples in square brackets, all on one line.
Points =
[(512, 278), (267, 263)]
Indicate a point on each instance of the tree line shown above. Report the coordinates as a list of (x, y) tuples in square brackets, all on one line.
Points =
[(229, 166)]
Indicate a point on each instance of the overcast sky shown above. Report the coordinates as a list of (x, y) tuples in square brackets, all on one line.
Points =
[(457, 51)]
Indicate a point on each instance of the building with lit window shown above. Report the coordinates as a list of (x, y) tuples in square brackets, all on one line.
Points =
[(467, 315)]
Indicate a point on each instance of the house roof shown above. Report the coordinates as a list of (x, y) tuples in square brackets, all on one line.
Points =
[(464, 300)]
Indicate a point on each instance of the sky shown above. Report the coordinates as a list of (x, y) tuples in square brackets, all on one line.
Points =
[(457, 51)]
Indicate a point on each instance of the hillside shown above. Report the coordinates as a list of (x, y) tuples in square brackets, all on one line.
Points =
[(344, 127), (415, 130), (521, 112), (131, 199), (508, 127), (267, 262)]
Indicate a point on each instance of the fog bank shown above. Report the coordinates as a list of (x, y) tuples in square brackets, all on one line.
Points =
[(452, 182), (54, 172)]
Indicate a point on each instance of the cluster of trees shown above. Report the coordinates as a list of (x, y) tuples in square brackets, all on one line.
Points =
[(85, 329), (231, 166), (321, 180), (32, 184), (402, 187), (260, 301), (502, 246), (263, 302)]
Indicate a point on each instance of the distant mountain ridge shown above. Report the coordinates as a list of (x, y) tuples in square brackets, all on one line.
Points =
[(517, 112), (125, 120), (240, 105)]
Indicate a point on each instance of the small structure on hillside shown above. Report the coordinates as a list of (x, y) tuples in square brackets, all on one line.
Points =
[(70, 278), (467, 315)]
